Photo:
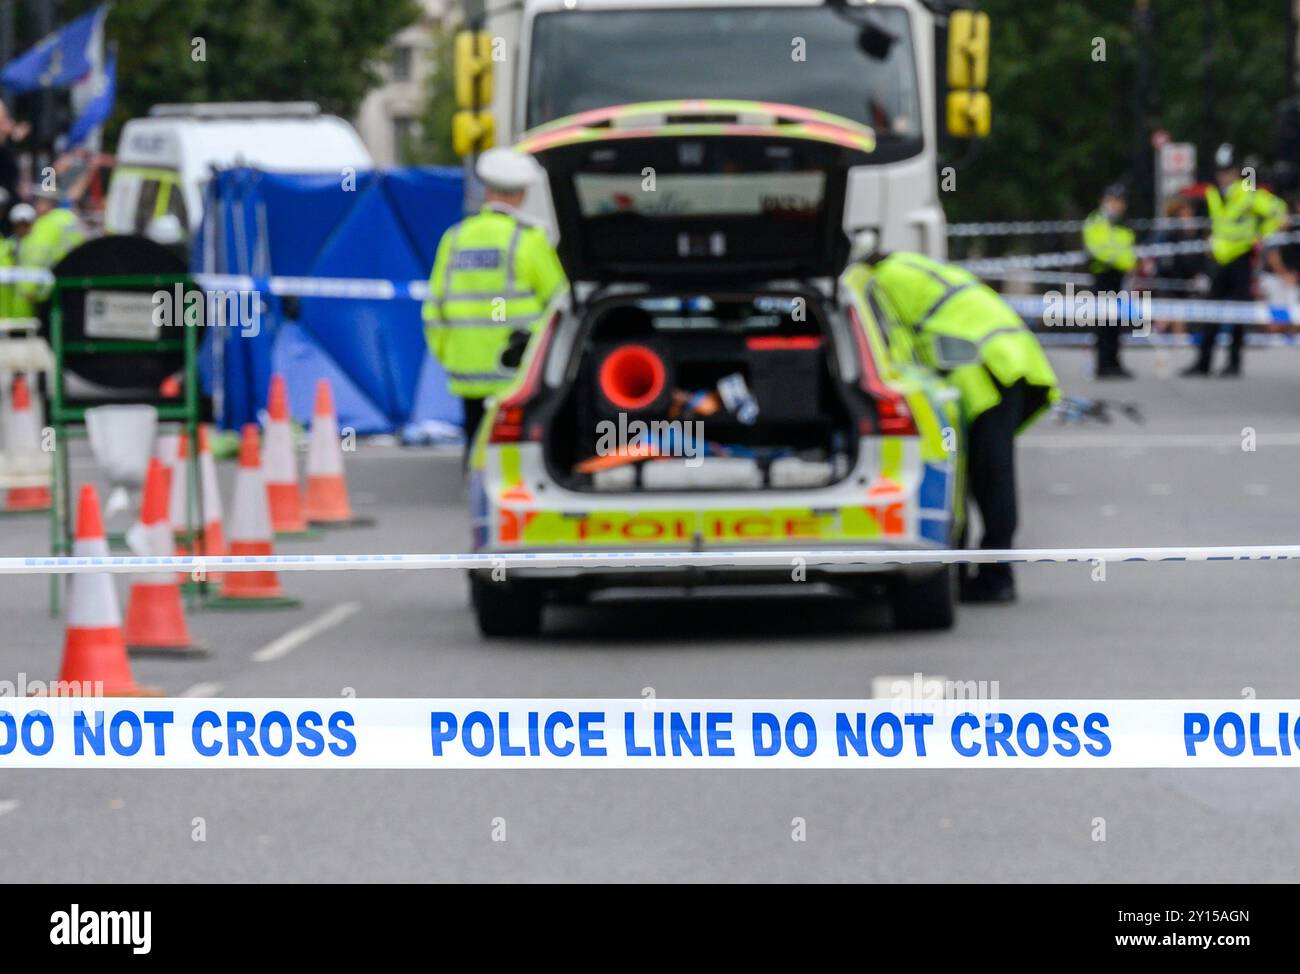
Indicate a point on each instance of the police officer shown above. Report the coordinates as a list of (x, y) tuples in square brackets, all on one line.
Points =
[(966, 331), (494, 275), (45, 241), (1110, 246), (1240, 216), (12, 303)]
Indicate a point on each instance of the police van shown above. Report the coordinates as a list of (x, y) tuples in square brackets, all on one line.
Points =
[(165, 160)]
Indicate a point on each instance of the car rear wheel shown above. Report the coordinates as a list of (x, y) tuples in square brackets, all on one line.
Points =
[(504, 609), (926, 603)]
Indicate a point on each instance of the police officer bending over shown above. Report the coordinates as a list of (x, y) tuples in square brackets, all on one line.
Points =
[(966, 331), (493, 276)]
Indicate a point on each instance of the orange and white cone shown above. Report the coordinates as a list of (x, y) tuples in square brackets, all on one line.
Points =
[(250, 531), (155, 618), (327, 490), (23, 438), (281, 467), (214, 535), (178, 494), (94, 650)]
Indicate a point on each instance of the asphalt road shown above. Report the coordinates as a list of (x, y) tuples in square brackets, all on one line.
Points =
[(1167, 630)]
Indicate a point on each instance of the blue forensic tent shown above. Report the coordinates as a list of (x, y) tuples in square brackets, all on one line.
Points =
[(383, 224)]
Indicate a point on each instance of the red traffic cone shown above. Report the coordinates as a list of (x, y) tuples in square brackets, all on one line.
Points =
[(327, 490), (250, 533), (94, 652), (281, 466), (23, 436), (155, 618)]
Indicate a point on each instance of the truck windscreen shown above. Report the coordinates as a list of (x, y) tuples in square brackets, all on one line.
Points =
[(815, 57)]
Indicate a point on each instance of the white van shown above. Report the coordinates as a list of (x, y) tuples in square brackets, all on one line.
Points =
[(165, 160)]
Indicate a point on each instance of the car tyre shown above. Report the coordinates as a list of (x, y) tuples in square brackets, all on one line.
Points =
[(926, 603), (505, 609)]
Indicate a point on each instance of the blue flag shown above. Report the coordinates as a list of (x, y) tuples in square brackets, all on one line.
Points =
[(99, 107), (66, 56)]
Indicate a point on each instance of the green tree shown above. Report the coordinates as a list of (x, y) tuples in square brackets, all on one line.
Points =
[(325, 51), (1065, 123)]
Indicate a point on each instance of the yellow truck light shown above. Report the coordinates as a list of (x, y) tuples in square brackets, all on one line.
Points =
[(970, 114), (472, 69), (968, 50)]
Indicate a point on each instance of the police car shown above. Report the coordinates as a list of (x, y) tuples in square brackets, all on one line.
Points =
[(716, 379)]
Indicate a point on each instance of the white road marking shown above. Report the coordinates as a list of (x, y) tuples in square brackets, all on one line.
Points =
[(8, 805), (1054, 441), (203, 690), (291, 640)]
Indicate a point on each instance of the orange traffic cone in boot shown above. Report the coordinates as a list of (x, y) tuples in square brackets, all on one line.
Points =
[(23, 437), (282, 491), (155, 619), (327, 489), (250, 534), (94, 652)]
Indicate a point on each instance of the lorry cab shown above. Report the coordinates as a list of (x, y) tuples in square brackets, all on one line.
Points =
[(165, 160), (715, 381), (887, 65)]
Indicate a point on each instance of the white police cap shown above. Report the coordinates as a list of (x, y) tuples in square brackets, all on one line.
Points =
[(22, 213), (505, 170)]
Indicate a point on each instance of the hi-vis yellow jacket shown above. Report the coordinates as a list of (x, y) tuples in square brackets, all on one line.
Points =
[(1241, 218), (493, 275), (1109, 244), (48, 242), (943, 303)]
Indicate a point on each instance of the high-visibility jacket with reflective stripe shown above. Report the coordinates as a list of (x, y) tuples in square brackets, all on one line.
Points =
[(1240, 219), (12, 303), (493, 275), (47, 242), (940, 301), (1109, 244)]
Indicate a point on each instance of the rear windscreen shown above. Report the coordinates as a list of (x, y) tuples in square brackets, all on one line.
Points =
[(797, 194)]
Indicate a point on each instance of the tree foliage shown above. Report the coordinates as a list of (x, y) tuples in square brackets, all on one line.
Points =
[(325, 51), (1065, 125)]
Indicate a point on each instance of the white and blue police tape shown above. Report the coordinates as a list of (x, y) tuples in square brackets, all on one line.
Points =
[(97, 732), (1034, 307), (1022, 228), (735, 558)]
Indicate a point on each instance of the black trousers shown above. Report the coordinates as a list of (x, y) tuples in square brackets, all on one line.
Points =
[(991, 469), (469, 423), (1108, 333), (1231, 282)]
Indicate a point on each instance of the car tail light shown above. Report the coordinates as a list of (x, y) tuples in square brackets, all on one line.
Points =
[(511, 415), (893, 415)]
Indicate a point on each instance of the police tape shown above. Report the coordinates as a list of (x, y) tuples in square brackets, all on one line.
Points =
[(648, 733), (1081, 309), (1072, 258), (734, 558), (1023, 228)]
